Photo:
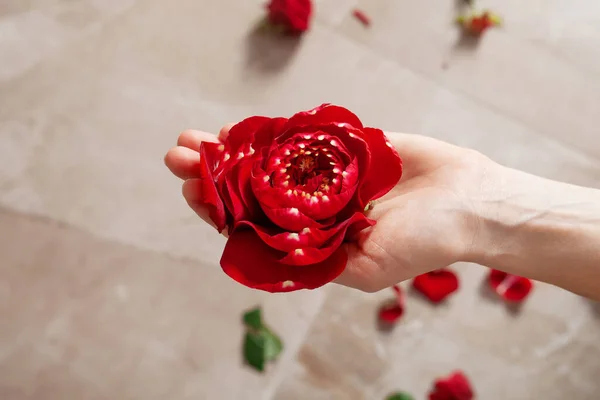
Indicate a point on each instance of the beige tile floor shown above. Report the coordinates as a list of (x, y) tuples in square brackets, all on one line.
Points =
[(110, 287)]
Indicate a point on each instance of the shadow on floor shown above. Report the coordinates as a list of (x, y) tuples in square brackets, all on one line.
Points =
[(269, 51), (595, 305), (466, 42), (462, 5)]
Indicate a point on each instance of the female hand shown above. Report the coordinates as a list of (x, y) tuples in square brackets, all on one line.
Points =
[(426, 222)]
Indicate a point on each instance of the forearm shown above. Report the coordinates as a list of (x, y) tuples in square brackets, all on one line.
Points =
[(542, 229)]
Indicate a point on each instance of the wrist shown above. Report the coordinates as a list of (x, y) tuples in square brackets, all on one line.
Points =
[(532, 226), (503, 208)]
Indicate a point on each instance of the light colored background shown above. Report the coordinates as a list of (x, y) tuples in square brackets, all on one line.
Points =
[(110, 287)]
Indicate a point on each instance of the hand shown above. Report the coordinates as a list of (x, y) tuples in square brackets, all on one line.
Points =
[(426, 222), (184, 162)]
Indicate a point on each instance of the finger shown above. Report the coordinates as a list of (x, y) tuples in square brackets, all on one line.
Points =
[(420, 153), (192, 139), (183, 162), (361, 272), (192, 193), (225, 132)]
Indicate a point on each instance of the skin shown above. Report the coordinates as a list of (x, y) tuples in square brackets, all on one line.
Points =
[(454, 204)]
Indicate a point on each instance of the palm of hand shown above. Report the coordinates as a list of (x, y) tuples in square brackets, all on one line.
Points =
[(424, 223)]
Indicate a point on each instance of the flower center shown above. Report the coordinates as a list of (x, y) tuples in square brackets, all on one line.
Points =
[(306, 163), (308, 166)]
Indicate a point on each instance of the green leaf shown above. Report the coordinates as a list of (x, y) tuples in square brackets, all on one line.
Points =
[(273, 344), (254, 350), (253, 318), (399, 396)]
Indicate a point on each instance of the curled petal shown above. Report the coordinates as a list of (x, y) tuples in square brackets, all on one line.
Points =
[(291, 219), (209, 156), (243, 133), (385, 168), (437, 285), (249, 261), (237, 193), (456, 386), (511, 288), (325, 114), (392, 310), (266, 134), (312, 255), (308, 238)]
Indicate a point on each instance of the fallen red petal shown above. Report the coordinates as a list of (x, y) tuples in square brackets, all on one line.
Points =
[(512, 288), (392, 310), (456, 386), (437, 285), (362, 17)]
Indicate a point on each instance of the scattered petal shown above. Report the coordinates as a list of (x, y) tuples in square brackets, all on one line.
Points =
[(291, 16), (511, 288), (362, 17), (391, 311), (456, 386), (437, 285)]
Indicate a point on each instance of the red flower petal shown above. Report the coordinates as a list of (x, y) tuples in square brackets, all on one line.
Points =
[(291, 219), (249, 261), (292, 15), (308, 238), (385, 169), (325, 114), (209, 156), (456, 386), (392, 310), (362, 17), (312, 255), (317, 206), (243, 133), (436, 285), (268, 132), (348, 142), (510, 287)]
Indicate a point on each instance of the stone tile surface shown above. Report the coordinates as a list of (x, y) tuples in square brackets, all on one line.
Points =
[(547, 349), (86, 318), (110, 286), (529, 80)]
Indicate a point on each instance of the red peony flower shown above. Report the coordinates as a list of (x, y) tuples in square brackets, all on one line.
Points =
[(437, 285), (291, 15), (510, 287), (456, 386), (291, 191), (391, 311)]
